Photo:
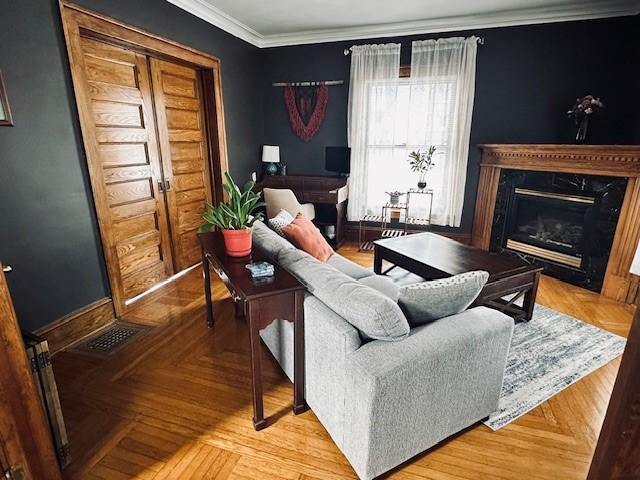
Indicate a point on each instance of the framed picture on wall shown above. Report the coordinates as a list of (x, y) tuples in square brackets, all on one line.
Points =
[(5, 111)]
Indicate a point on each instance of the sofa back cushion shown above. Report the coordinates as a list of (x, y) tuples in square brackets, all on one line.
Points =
[(348, 267), (268, 240), (306, 236), (375, 315), (427, 301), (383, 285)]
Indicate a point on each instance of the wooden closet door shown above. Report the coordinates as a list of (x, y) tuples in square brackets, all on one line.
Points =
[(124, 166), (182, 132)]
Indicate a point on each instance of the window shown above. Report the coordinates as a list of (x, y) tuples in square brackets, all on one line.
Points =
[(408, 115)]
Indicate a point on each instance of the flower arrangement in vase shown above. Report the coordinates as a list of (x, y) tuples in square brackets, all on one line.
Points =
[(234, 217), (581, 111), (421, 161)]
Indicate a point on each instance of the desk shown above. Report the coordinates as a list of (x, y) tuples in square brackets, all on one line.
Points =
[(261, 301), (328, 194)]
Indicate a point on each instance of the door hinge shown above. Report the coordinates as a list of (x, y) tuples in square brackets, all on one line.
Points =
[(167, 186), (161, 185), (34, 364), (16, 472), (43, 360)]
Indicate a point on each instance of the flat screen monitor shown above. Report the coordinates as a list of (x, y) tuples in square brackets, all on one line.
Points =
[(337, 159)]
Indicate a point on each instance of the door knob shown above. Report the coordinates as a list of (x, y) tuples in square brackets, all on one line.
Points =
[(7, 268)]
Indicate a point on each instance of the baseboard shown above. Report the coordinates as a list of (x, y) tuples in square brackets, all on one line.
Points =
[(71, 328)]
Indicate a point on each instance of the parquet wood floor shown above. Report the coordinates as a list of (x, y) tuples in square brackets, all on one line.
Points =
[(175, 404)]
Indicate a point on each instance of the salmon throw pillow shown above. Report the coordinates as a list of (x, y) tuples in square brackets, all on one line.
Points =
[(304, 235)]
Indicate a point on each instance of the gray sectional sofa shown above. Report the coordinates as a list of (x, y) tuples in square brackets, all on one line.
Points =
[(384, 402)]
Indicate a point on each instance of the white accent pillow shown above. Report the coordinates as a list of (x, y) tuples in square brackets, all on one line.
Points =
[(281, 220), (427, 301)]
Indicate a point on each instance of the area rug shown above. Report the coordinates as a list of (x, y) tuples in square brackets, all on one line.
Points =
[(548, 354)]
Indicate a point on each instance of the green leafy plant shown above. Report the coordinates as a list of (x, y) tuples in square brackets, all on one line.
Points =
[(421, 161), (237, 213)]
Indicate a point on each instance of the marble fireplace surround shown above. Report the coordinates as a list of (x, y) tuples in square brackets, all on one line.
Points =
[(608, 160)]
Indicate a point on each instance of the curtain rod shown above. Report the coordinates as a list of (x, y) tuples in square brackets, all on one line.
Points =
[(308, 84), (347, 51)]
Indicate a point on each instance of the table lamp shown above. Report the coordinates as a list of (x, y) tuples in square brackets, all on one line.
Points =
[(270, 159)]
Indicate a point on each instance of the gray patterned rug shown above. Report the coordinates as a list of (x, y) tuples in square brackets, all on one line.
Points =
[(548, 354)]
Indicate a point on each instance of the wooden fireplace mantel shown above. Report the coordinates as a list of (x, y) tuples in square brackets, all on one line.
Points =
[(610, 160)]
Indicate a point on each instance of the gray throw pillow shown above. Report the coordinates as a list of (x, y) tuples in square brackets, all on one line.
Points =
[(281, 220), (374, 314), (427, 301)]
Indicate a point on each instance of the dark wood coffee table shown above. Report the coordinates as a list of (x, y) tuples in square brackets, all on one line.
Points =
[(260, 302), (433, 256)]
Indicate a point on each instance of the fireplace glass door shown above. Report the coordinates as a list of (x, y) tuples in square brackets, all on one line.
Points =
[(549, 225)]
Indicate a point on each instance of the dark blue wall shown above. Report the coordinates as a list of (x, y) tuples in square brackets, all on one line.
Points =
[(526, 79), (48, 230)]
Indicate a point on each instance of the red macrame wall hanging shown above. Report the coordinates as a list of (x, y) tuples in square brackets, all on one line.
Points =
[(306, 106)]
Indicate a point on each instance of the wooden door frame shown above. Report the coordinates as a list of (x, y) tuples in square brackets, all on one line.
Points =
[(78, 20), (25, 439), (617, 453)]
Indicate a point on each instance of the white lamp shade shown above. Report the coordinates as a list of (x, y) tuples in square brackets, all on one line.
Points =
[(271, 154), (635, 265)]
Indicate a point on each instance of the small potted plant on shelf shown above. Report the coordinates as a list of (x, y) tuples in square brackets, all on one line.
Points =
[(234, 217), (421, 161)]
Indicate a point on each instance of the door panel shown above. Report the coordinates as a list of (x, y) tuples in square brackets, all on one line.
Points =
[(25, 439), (181, 127), (126, 168)]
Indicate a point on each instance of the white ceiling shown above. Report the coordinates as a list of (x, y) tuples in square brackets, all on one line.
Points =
[(270, 23)]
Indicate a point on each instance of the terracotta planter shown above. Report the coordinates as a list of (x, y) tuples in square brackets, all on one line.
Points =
[(237, 242)]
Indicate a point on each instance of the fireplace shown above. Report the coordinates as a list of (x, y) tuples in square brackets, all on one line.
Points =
[(608, 173), (564, 221), (553, 226)]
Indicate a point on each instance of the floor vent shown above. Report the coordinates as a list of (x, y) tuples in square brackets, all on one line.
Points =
[(111, 338)]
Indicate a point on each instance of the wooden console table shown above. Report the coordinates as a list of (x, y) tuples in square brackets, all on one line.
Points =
[(328, 194), (262, 301)]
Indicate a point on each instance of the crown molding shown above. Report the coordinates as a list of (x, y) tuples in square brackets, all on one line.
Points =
[(207, 12), (532, 16)]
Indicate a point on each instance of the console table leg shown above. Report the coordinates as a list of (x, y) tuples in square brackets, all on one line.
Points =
[(239, 305), (530, 298), (299, 404), (207, 290), (253, 319)]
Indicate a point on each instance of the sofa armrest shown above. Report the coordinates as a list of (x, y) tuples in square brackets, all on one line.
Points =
[(444, 377), (329, 340)]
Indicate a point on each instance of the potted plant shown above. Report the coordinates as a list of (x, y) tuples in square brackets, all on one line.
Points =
[(234, 217), (421, 161)]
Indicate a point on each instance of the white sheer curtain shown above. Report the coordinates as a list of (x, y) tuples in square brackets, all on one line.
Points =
[(441, 105), (370, 65)]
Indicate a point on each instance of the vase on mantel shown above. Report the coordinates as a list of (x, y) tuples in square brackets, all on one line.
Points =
[(583, 128)]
